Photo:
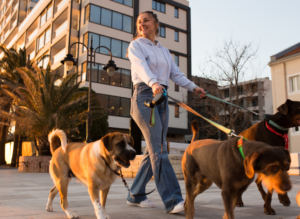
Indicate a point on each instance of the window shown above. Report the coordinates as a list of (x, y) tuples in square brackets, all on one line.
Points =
[(158, 6), (176, 13), (294, 83), (162, 32), (108, 18), (47, 35), (255, 101), (117, 106), (176, 60), (95, 14), (49, 12), (255, 117), (40, 42), (176, 111), (226, 93), (176, 87), (176, 36), (87, 14), (124, 2), (121, 78), (117, 47), (43, 18)]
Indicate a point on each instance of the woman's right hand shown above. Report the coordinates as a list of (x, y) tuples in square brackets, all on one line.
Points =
[(157, 88)]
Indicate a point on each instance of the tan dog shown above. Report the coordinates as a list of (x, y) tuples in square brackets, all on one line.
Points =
[(298, 202), (86, 162)]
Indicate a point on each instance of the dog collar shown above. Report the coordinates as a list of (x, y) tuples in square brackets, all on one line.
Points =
[(115, 171), (284, 136), (240, 144), (277, 126)]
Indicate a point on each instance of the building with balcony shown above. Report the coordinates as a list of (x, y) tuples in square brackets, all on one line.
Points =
[(255, 95), (49, 27), (285, 69)]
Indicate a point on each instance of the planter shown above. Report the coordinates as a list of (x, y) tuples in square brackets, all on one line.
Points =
[(34, 164)]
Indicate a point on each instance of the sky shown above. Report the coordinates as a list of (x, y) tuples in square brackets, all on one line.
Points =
[(272, 25)]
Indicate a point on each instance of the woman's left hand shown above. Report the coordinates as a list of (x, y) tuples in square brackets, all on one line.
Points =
[(201, 91)]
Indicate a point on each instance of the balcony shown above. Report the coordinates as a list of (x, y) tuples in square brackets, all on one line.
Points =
[(60, 29), (32, 35), (58, 53), (59, 5)]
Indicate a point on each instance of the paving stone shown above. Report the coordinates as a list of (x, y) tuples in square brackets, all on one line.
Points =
[(24, 196)]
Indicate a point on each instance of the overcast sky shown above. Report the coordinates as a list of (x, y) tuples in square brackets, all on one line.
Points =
[(274, 25)]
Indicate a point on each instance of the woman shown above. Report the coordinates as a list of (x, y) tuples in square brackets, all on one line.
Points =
[(152, 66)]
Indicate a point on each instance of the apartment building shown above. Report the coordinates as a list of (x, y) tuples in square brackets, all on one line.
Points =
[(285, 69), (47, 28), (255, 95)]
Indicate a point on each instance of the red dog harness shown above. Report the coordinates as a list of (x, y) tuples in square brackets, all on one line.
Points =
[(284, 136)]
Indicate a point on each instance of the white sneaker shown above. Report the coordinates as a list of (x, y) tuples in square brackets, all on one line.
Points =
[(143, 204), (178, 208)]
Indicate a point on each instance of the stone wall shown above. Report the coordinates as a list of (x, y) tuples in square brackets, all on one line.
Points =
[(34, 164)]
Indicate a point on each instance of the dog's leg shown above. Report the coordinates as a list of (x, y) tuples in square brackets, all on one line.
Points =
[(284, 199), (94, 194), (267, 206), (260, 188), (53, 193), (229, 201), (103, 196), (190, 186), (239, 202), (62, 187)]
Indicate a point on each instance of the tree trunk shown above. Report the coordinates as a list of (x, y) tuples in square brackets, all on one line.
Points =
[(43, 146), (15, 150), (3, 137)]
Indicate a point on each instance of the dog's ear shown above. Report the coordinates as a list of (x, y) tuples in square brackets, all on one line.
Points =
[(131, 140), (249, 164), (107, 142), (284, 108)]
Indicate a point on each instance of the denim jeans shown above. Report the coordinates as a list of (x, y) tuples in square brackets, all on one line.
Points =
[(168, 186)]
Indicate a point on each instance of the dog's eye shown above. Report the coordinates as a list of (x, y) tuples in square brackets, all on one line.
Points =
[(122, 144), (273, 168)]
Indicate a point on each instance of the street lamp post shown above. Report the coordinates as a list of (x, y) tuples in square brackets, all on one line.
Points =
[(110, 67)]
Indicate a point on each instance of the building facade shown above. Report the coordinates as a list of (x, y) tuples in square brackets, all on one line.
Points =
[(47, 28), (285, 69), (254, 95)]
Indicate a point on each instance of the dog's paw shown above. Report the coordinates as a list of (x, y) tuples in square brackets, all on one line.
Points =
[(70, 214), (269, 211), (284, 199), (49, 208), (239, 203)]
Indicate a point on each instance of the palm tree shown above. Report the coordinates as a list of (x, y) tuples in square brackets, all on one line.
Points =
[(8, 75), (47, 101)]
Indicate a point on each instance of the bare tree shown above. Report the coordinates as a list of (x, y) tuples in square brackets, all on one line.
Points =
[(232, 67)]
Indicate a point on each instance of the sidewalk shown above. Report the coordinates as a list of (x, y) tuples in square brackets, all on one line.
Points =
[(24, 195)]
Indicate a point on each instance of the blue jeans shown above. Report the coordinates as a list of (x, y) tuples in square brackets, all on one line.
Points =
[(168, 186)]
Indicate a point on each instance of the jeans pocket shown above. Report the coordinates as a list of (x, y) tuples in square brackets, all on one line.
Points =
[(144, 89)]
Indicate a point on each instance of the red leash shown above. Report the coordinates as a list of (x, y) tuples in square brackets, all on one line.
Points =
[(285, 136)]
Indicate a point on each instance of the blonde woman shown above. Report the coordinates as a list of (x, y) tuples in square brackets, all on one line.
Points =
[(152, 66)]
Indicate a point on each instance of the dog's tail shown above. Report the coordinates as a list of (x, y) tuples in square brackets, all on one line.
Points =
[(195, 130), (54, 138)]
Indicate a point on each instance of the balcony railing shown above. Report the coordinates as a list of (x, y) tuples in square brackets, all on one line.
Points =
[(58, 57), (60, 5), (60, 29), (32, 35), (32, 55)]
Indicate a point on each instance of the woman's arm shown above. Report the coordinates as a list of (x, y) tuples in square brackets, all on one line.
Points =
[(139, 64), (180, 79)]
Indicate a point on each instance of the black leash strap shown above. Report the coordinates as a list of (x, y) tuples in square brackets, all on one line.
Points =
[(124, 181)]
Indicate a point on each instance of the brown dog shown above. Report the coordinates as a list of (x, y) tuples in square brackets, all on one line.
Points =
[(288, 116), (209, 161), (93, 164), (298, 202)]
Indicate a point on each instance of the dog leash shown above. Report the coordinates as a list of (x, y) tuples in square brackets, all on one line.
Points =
[(218, 99), (124, 181)]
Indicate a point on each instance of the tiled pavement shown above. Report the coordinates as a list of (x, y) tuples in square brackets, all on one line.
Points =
[(24, 195)]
